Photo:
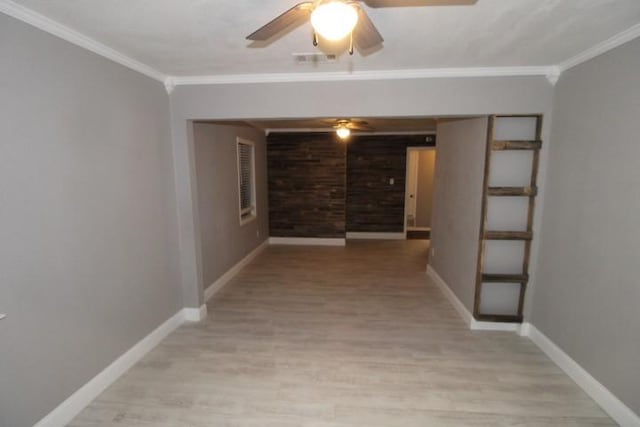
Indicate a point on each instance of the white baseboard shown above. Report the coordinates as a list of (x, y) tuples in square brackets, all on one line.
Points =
[(74, 404), (195, 314), (307, 241), (477, 325), (616, 409), (379, 236), (453, 298), (525, 329), (468, 319), (222, 280)]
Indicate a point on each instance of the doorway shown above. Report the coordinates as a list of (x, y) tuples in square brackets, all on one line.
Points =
[(419, 192)]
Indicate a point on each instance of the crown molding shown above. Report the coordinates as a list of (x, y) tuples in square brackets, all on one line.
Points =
[(57, 29), (553, 75), (603, 47), (169, 85), (426, 73), (353, 133), (551, 72)]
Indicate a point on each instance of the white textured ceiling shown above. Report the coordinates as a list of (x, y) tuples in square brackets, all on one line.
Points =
[(207, 37)]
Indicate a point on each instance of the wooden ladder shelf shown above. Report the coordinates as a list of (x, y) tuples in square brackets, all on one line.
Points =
[(526, 236)]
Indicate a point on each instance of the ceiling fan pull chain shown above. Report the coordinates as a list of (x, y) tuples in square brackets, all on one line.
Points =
[(351, 44), (315, 38)]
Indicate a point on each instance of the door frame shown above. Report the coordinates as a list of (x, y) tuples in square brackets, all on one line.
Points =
[(406, 182)]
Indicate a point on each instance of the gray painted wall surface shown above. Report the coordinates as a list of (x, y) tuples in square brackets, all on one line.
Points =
[(382, 98), (426, 175), (224, 241), (455, 221), (88, 260), (587, 289)]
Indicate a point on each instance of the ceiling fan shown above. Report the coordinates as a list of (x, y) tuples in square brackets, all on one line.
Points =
[(344, 127), (337, 19)]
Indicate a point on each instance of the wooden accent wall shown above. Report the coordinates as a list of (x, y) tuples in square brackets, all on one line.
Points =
[(320, 186), (307, 175), (374, 205)]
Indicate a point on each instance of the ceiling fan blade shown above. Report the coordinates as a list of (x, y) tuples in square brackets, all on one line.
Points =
[(297, 15), (366, 35), (359, 125), (361, 128), (415, 3)]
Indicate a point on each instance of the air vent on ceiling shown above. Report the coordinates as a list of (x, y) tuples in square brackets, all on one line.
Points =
[(313, 58)]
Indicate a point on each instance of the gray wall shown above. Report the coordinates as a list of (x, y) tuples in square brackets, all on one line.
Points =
[(426, 176), (382, 98), (455, 221), (587, 290), (88, 260), (223, 240)]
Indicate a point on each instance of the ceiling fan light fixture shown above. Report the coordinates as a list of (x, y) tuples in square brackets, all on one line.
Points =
[(334, 20), (343, 132)]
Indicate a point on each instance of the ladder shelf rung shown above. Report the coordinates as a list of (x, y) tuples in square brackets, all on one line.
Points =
[(505, 278), (513, 191), (511, 116), (508, 235), (498, 145), (507, 318)]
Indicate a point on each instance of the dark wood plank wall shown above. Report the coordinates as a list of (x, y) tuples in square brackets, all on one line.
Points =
[(322, 187), (307, 175), (373, 204)]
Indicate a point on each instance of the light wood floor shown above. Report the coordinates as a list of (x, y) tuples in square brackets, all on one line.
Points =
[(336, 337)]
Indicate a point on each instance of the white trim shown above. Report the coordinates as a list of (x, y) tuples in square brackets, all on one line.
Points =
[(553, 75), (50, 26), (468, 319), (426, 73), (494, 326), (169, 85), (551, 72), (195, 314), (75, 403), (603, 47), (299, 130), (353, 134), (525, 329), (307, 241), (397, 132), (380, 236), (448, 293), (222, 280), (248, 214), (620, 412)]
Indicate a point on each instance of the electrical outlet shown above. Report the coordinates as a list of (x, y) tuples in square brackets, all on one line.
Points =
[(433, 252), (257, 233), (392, 181)]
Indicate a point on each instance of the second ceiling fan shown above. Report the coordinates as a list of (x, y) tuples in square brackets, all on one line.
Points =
[(337, 19)]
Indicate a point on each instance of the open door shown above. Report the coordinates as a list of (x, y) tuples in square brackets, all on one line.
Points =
[(419, 191), (413, 157)]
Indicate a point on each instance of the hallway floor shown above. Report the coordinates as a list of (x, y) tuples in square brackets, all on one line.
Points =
[(336, 337)]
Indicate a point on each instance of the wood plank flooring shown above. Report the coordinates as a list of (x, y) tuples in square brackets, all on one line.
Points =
[(337, 337)]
